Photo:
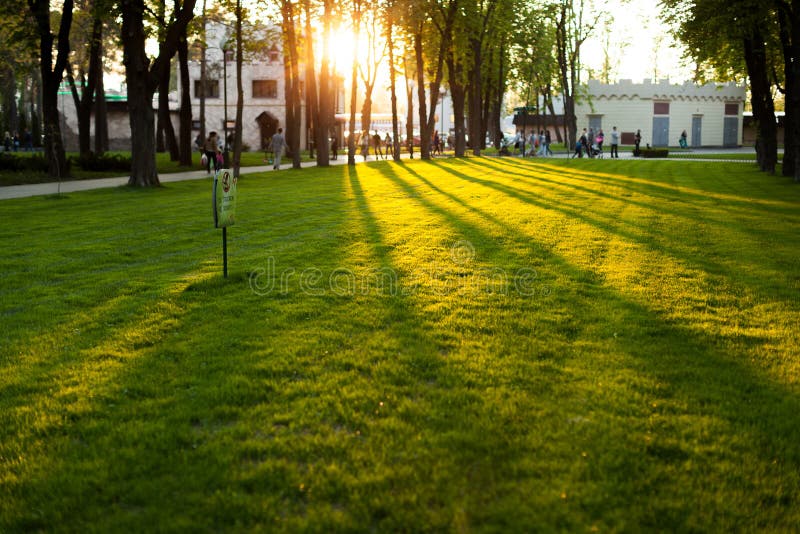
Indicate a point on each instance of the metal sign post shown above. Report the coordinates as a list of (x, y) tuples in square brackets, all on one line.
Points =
[(224, 200)]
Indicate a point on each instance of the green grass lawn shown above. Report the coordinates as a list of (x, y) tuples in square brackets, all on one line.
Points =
[(462, 345)]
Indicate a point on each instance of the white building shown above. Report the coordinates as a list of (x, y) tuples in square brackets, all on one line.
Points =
[(710, 114), (264, 102)]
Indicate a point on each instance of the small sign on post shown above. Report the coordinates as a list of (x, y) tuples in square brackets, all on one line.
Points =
[(224, 199)]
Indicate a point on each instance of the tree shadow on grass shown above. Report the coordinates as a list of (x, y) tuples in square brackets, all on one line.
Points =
[(695, 372), (669, 192), (636, 232), (355, 411)]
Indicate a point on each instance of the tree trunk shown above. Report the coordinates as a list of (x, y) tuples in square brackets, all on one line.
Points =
[(85, 101), (83, 113), (475, 99), (326, 111), (203, 75), (498, 102), (237, 136), (393, 88), (185, 126), (100, 116), (9, 102), (351, 139), (424, 128), (291, 62), (789, 19), (366, 113), (410, 100), (458, 97), (140, 105), (142, 79), (53, 143), (761, 98), (164, 119), (312, 104)]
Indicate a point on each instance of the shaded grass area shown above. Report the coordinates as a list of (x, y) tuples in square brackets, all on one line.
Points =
[(478, 344)]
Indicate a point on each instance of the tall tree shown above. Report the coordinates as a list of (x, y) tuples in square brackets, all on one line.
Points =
[(164, 126), (312, 103), (291, 65), (52, 75), (185, 126), (89, 22), (727, 37), (390, 45), (789, 23), (325, 111), (571, 31), (237, 136), (376, 55), (356, 13), (142, 77)]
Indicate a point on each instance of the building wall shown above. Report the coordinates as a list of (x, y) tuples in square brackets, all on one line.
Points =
[(630, 107), (252, 106)]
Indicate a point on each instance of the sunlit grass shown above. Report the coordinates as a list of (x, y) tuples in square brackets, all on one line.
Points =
[(480, 344)]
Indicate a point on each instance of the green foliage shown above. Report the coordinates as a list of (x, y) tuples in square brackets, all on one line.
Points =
[(639, 374), (653, 152), (102, 163), (22, 163)]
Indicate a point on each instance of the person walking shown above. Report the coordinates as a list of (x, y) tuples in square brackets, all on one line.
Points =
[(335, 146), (601, 137), (376, 143), (614, 143), (210, 148), (547, 140), (278, 146), (682, 140), (387, 141), (637, 140)]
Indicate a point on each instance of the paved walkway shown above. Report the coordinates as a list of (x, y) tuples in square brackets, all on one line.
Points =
[(52, 188)]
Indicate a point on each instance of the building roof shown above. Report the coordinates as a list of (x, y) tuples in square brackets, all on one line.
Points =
[(663, 90)]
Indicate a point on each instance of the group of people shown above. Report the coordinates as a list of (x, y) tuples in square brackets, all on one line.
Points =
[(534, 145), (15, 142), (377, 144), (591, 143)]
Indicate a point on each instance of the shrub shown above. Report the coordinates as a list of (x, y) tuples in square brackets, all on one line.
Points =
[(35, 163), (653, 152), (106, 162)]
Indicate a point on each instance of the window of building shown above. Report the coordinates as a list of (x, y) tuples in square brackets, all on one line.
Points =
[(274, 54), (265, 89), (212, 89), (731, 109), (660, 108)]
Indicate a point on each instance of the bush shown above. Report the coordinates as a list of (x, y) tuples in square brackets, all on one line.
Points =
[(35, 163), (653, 152), (106, 162)]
